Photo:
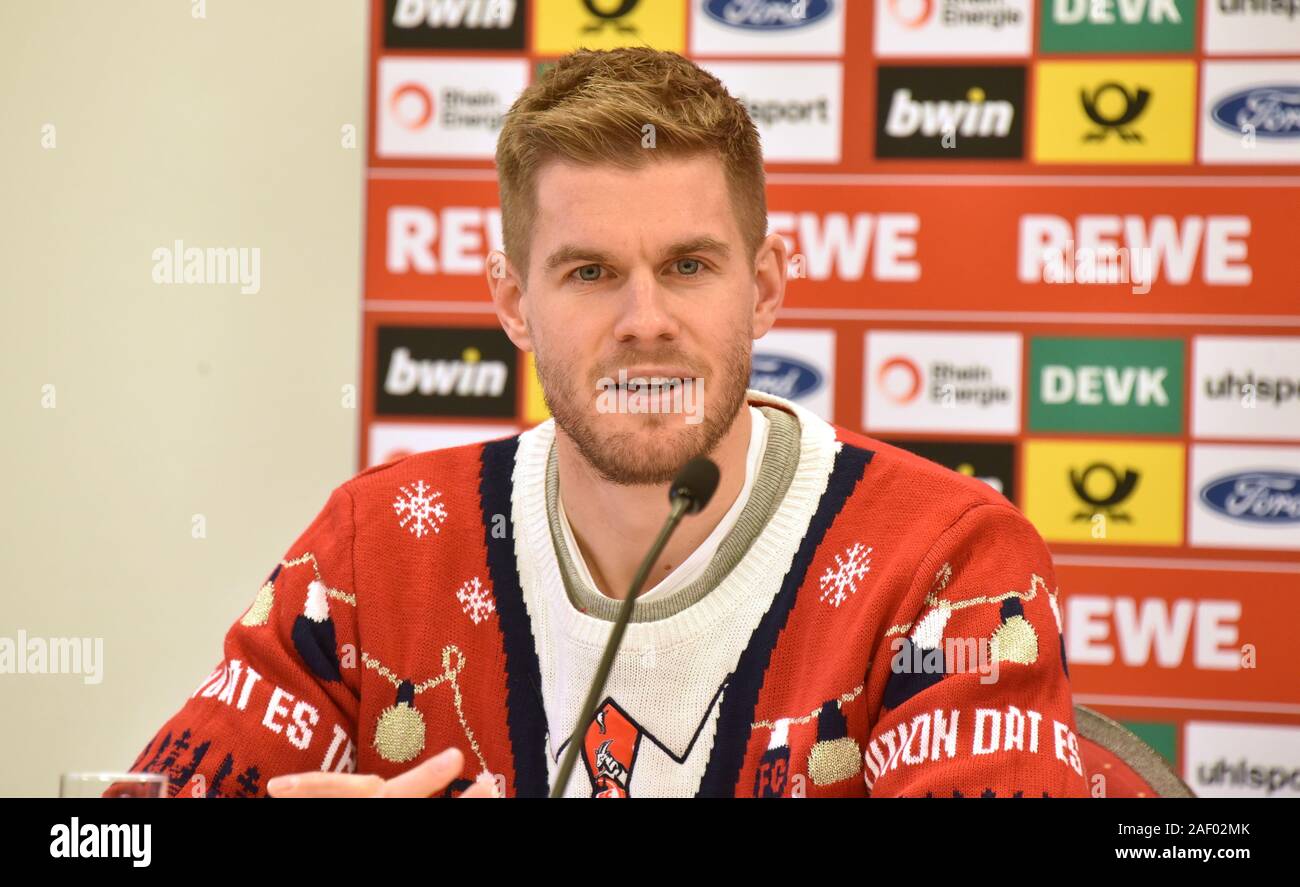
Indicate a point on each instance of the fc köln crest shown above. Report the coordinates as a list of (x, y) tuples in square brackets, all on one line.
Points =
[(609, 750)]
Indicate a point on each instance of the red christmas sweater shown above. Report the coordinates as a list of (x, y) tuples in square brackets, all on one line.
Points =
[(908, 644)]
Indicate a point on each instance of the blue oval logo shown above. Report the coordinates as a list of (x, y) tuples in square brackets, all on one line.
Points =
[(783, 376), (766, 15), (1270, 112), (1266, 497)]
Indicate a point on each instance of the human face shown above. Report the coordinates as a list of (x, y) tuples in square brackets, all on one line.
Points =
[(642, 273)]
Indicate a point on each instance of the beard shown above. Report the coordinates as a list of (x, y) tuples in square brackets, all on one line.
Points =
[(663, 442)]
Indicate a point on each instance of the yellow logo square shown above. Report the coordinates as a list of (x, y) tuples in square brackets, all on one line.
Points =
[(1105, 492), (565, 25), (1108, 112)]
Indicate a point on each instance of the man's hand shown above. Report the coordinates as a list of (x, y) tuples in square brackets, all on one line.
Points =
[(421, 781)]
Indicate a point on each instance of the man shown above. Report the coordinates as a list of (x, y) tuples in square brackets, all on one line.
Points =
[(843, 618)]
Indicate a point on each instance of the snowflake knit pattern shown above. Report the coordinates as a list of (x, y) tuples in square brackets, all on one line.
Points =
[(893, 631)]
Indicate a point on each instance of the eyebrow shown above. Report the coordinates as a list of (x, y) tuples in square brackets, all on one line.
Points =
[(571, 253), (574, 253)]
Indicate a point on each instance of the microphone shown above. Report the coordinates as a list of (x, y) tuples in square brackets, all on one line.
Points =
[(690, 492)]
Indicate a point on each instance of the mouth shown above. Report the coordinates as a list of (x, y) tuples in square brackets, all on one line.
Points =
[(661, 382)]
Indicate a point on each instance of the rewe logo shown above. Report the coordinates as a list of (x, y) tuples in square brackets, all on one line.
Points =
[(1091, 385), (839, 245), (1175, 244), (1108, 12), (974, 117), (99, 841), (1152, 630), (471, 376), (463, 236)]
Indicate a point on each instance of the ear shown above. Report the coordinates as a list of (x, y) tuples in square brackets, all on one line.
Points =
[(507, 298), (769, 282)]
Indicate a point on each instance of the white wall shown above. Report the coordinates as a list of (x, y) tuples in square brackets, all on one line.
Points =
[(170, 401)]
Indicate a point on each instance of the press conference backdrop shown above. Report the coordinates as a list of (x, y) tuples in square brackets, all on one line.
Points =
[(1048, 244)]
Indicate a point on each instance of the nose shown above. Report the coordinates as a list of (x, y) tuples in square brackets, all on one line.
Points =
[(645, 314)]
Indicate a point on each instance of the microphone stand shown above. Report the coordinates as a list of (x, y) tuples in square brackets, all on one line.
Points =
[(681, 504)]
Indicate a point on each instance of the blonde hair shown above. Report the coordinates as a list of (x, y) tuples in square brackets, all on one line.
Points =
[(593, 107)]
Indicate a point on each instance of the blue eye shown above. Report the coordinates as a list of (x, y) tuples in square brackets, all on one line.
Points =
[(689, 267), (585, 276)]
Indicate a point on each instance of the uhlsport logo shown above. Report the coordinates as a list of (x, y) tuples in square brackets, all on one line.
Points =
[(561, 26), (445, 372), (1105, 492), (795, 105), (951, 28), (1252, 27), (950, 112), (1104, 26), (1103, 112), (1246, 387), (454, 24), (1241, 760), (1129, 385)]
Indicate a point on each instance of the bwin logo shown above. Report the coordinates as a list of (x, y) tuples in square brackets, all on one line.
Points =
[(470, 376), (976, 116), (454, 13), (1134, 104), (100, 841)]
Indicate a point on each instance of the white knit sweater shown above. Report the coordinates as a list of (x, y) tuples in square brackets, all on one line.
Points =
[(669, 674)]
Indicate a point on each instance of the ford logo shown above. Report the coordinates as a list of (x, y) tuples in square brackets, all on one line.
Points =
[(783, 376), (1267, 497), (1271, 112), (766, 15)]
